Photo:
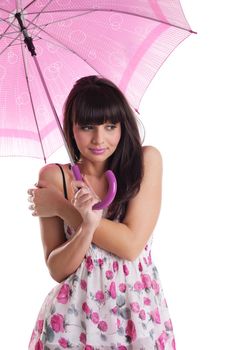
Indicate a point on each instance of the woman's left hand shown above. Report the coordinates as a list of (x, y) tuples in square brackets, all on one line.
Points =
[(44, 200), (83, 200)]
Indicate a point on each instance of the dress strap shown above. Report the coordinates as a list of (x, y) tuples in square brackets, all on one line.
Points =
[(64, 181)]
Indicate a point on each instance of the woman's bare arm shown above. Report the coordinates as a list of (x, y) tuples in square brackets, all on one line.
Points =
[(62, 257), (127, 239)]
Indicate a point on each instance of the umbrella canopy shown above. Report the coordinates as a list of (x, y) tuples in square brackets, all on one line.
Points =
[(124, 41)]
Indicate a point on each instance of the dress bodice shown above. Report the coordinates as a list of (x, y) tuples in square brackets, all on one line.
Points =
[(98, 253)]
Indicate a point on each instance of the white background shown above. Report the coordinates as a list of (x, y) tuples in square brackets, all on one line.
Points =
[(187, 114)]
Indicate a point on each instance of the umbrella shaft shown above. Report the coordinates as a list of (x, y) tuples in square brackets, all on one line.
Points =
[(53, 109), (27, 39), (29, 43)]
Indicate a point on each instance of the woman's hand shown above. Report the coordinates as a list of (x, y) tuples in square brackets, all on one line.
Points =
[(45, 200), (83, 200)]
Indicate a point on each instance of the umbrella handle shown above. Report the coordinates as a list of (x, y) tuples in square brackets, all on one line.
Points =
[(112, 187)]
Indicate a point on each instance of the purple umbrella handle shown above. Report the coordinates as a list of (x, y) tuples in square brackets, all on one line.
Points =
[(112, 187), (76, 172)]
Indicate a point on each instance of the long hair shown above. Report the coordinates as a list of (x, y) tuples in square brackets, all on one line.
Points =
[(93, 101)]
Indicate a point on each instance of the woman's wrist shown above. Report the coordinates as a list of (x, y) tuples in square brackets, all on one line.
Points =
[(68, 213), (88, 228)]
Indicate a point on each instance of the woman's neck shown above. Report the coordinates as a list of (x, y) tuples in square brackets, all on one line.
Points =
[(92, 169)]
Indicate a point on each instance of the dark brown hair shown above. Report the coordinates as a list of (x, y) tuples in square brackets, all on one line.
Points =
[(93, 101)]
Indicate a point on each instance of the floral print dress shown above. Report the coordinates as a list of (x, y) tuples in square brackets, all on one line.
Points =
[(108, 304)]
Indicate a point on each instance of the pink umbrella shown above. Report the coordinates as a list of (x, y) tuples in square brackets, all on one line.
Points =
[(46, 45)]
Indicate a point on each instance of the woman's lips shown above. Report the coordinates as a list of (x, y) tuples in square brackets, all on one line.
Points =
[(97, 150)]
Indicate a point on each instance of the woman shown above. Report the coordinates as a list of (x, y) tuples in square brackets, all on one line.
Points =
[(109, 294)]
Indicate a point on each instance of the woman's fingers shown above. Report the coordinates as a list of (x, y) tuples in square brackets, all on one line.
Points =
[(33, 208), (31, 197), (77, 185), (83, 190), (82, 197), (91, 188), (31, 192)]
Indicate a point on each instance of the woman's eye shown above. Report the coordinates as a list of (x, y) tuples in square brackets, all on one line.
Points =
[(111, 126), (86, 127)]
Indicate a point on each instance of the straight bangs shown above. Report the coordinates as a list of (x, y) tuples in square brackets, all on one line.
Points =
[(95, 107)]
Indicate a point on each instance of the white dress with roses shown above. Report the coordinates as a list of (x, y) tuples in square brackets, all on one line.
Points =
[(107, 304)]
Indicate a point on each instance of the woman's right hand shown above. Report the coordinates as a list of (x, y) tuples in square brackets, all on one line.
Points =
[(83, 200), (44, 200)]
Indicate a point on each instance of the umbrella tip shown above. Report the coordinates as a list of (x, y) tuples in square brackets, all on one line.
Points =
[(192, 32)]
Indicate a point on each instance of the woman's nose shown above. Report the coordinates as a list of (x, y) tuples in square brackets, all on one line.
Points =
[(98, 136)]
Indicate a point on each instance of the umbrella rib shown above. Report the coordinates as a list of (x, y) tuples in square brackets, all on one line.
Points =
[(9, 27), (29, 4), (32, 104), (6, 47), (4, 10), (66, 47), (46, 24), (38, 13), (65, 19), (117, 11)]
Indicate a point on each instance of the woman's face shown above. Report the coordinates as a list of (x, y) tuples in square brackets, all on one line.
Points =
[(97, 142)]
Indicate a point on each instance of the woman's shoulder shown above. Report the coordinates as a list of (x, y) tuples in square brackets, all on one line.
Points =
[(52, 172), (151, 154)]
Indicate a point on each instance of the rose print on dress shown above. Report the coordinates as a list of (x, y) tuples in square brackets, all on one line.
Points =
[(83, 284), (102, 325), (168, 325), (117, 301), (57, 323), (161, 342), (142, 314), (155, 286), (140, 268), (99, 296), (39, 345), (155, 316), (63, 343), (135, 307), (112, 290), (109, 274), (115, 266), (130, 331), (89, 264), (138, 286), (95, 317), (114, 310), (100, 262), (146, 280), (39, 326), (86, 309), (83, 338), (122, 287), (64, 294), (125, 269)]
